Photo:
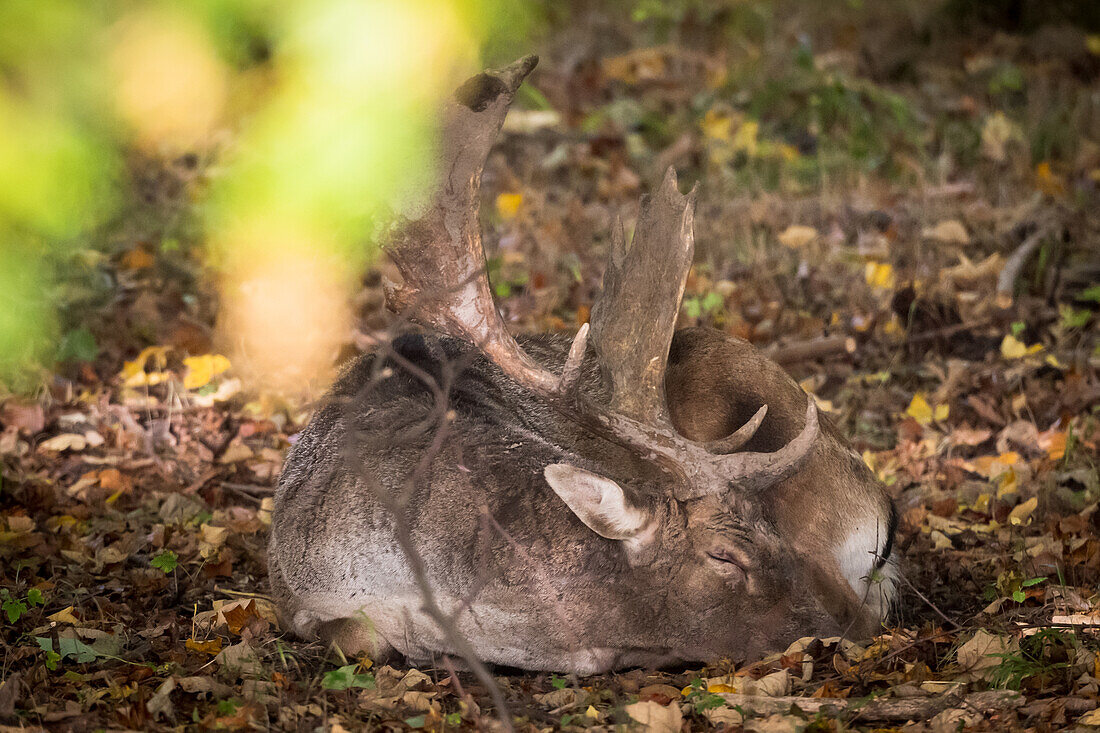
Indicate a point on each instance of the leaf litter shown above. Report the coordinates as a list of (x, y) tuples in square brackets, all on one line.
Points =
[(136, 496)]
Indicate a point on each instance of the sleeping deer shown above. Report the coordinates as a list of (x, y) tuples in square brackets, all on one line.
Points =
[(634, 496)]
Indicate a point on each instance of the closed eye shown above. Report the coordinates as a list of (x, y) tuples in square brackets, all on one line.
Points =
[(726, 557)]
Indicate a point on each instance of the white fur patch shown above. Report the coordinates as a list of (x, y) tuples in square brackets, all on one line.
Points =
[(857, 557)]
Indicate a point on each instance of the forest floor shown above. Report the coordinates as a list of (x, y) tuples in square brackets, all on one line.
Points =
[(906, 219)]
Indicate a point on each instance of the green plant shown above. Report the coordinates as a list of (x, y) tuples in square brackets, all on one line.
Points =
[(165, 560), (344, 678), (709, 304), (701, 700), (1036, 659), (14, 608)]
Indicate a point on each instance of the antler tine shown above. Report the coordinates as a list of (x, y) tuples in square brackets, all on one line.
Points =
[(440, 254), (755, 471), (739, 437), (635, 315)]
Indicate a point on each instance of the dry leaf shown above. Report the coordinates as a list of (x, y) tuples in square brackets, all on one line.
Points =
[(879, 275), (656, 718), (201, 369), (1012, 348), (65, 441), (979, 654), (64, 616), (508, 205), (949, 231), (797, 236), (1021, 514), (211, 646), (997, 132)]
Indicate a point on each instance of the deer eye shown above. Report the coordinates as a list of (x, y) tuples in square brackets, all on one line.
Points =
[(729, 558)]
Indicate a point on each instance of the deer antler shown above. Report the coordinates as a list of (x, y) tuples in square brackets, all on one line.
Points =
[(441, 258)]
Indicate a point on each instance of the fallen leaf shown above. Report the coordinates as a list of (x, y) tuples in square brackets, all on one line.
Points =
[(717, 125), (981, 653), (656, 718), (948, 231), (508, 205), (1049, 182), (997, 132), (211, 646), (1021, 514), (879, 275), (1012, 348), (1092, 718), (558, 698), (65, 441), (65, 616), (27, 417), (201, 369), (797, 236)]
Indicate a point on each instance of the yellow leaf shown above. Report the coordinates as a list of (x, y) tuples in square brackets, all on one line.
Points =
[(508, 205), (745, 137), (1049, 182), (1022, 513), (1012, 348), (717, 125), (64, 616), (159, 355), (201, 369), (592, 712), (941, 412), (1008, 483), (720, 688), (211, 647), (919, 409), (789, 153), (1092, 43), (879, 275), (797, 236), (1054, 443), (1093, 716)]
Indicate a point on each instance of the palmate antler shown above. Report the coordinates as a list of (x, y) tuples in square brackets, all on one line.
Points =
[(441, 258)]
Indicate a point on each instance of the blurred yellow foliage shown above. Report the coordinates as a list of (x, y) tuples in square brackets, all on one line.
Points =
[(879, 275), (508, 205), (1013, 348), (920, 410), (201, 369)]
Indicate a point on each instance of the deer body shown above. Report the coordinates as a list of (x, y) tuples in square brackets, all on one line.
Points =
[(539, 588), (629, 498)]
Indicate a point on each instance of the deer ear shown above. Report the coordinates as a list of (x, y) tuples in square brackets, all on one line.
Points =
[(598, 502)]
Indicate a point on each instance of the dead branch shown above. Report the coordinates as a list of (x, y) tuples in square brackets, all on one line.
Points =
[(815, 348), (918, 708), (397, 505), (1006, 281)]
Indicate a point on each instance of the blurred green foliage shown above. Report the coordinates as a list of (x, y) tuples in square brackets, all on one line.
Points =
[(319, 113)]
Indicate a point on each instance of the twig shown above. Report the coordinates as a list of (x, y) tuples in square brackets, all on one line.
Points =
[(397, 505), (1006, 281), (921, 708), (930, 604), (815, 348)]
